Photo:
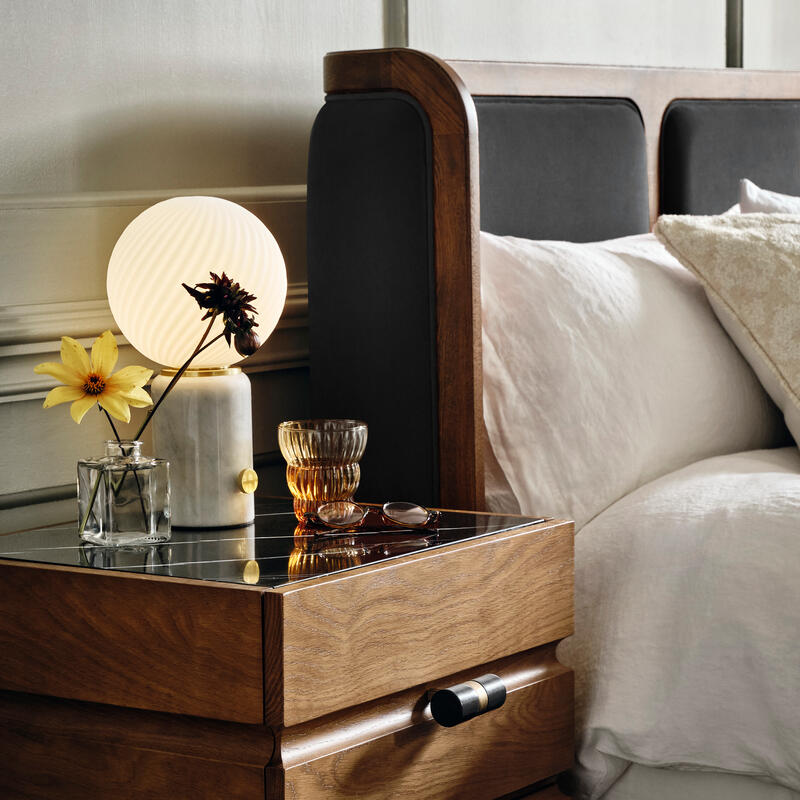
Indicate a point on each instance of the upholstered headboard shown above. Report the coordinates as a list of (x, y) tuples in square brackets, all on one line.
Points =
[(591, 186), (708, 145), (411, 156)]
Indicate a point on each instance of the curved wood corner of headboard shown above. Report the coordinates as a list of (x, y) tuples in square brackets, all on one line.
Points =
[(444, 98)]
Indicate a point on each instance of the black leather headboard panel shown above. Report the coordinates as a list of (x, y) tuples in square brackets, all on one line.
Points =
[(371, 286), (566, 168), (707, 146)]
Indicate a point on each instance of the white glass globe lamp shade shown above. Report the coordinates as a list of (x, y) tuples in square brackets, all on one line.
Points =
[(204, 427), (182, 240)]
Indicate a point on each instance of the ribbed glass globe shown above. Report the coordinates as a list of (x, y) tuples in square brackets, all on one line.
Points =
[(181, 240)]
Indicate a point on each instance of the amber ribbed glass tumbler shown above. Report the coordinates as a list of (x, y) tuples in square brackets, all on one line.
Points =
[(322, 458)]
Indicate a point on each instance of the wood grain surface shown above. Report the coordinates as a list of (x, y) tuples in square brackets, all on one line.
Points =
[(169, 645), (454, 149), (62, 749), (346, 639), (392, 748)]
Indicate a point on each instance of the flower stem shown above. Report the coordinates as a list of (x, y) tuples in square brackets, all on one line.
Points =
[(116, 489), (200, 347), (111, 423), (90, 504)]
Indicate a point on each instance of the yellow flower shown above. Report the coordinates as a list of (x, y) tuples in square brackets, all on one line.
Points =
[(89, 381)]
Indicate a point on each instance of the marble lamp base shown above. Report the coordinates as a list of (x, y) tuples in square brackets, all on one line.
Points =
[(204, 429)]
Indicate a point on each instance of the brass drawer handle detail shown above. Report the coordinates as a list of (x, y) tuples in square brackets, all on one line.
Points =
[(466, 700)]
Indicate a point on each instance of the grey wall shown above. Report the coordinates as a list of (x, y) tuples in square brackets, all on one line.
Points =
[(772, 34), (111, 105), (686, 33)]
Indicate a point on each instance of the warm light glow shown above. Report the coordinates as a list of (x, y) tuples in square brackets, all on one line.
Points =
[(181, 240)]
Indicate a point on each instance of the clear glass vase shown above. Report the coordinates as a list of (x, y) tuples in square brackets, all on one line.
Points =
[(123, 497)]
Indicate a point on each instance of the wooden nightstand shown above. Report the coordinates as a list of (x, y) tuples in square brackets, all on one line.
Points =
[(257, 664)]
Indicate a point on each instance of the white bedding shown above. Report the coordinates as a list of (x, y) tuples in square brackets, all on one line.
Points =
[(655, 783), (604, 367), (687, 624)]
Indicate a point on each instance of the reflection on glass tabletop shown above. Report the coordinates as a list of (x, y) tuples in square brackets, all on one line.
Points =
[(272, 551)]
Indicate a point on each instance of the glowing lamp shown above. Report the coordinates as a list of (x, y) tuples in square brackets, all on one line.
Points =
[(204, 426)]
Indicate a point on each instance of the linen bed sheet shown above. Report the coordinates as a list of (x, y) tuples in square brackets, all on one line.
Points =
[(688, 624), (656, 783)]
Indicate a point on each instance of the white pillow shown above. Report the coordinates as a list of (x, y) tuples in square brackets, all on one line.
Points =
[(753, 200), (604, 367), (750, 267)]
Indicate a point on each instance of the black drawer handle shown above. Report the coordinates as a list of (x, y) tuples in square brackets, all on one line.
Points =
[(467, 700)]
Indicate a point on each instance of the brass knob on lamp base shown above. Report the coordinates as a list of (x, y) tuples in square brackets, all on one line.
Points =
[(248, 481)]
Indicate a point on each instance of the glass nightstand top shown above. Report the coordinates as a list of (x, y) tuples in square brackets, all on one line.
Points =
[(271, 552)]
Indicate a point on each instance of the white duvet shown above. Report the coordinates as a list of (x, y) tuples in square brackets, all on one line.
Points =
[(687, 643)]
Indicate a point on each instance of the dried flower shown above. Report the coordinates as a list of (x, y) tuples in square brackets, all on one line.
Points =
[(89, 381), (246, 343), (223, 296)]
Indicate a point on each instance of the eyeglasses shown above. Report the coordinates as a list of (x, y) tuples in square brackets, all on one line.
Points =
[(346, 515)]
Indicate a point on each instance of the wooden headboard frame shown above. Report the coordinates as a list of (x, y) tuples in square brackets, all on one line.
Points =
[(444, 91)]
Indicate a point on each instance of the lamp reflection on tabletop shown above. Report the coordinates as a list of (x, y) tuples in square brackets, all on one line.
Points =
[(220, 554)]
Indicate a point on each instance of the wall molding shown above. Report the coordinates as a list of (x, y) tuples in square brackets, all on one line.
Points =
[(29, 497), (283, 193), (54, 494), (34, 328), (56, 249), (32, 333)]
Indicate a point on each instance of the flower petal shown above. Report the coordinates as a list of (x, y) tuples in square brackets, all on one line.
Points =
[(62, 394), (59, 372), (115, 406), (138, 398), (79, 408), (104, 354), (129, 378), (74, 356)]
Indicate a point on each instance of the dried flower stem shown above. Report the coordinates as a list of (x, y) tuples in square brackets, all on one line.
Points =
[(199, 349)]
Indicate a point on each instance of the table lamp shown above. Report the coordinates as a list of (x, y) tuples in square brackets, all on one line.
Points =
[(204, 426)]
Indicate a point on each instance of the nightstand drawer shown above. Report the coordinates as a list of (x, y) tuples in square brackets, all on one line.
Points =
[(354, 637), (392, 748), (186, 647)]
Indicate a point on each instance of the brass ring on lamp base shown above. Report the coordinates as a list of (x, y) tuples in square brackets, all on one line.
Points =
[(201, 372)]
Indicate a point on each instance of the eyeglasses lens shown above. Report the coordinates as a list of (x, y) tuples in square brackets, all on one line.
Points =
[(408, 514), (341, 514)]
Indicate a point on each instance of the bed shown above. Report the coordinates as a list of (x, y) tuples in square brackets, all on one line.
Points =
[(420, 172)]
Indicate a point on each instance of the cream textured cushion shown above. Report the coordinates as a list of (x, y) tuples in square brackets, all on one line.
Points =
[(750, 268), (605, 367)]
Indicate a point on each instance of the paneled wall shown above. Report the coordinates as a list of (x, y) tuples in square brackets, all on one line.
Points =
[(111, 105), (772, 34), (671, 33), (682, 33)]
